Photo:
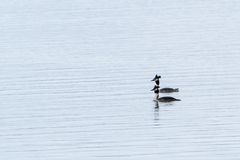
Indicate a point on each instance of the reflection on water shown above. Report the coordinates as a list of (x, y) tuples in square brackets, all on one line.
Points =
[(156, 104), (156, 110), (74, 80), (166, 104)]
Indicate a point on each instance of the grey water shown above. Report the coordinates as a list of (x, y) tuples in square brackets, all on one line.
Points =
[(75, 79)]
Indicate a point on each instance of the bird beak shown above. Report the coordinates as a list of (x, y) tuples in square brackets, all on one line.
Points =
[(154, 79)]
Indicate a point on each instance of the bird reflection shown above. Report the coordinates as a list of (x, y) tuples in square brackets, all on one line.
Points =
[(156, 110), (156, 104)]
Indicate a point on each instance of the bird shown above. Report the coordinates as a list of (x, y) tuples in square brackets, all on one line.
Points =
[(164, 99), (167, 99), (165, 90)]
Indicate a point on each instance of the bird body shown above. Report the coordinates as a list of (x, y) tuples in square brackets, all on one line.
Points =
[(169, 90), (165, 98)]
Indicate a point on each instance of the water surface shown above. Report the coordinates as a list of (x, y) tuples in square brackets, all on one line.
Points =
[(75, 80)]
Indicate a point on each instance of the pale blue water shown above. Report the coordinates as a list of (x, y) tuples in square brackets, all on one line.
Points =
[(75, 79)]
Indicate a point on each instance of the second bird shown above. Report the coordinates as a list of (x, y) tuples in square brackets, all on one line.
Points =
[(162, 90)]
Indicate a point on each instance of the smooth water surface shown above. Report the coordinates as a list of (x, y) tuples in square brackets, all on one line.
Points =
[(75, 79)]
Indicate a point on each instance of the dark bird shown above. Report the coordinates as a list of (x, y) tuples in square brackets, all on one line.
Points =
[(167, 99)]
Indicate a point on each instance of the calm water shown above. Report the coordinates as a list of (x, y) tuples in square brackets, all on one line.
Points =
[(75, 79)]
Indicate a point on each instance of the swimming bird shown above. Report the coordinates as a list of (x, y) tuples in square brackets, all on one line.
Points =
[(156, 79), (164, 99), (165, 90)]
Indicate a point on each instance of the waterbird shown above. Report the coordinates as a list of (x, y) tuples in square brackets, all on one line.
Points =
[(166, 99), (165, 90)]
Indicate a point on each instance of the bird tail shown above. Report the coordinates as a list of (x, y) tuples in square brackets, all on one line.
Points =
[(178, 99), (176, 90)]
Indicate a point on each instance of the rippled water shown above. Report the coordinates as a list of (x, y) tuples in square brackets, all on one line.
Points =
[(75, 79)]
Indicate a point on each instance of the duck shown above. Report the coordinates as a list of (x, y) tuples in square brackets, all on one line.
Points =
[(164, 90), (167, 99), (164, 99)]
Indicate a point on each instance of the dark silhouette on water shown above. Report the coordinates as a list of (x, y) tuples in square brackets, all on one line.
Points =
[(166, 99), (156, 104)]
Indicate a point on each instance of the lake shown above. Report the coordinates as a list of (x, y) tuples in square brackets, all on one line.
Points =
[(75, 80)]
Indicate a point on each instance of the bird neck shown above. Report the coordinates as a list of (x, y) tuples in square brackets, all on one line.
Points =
[(157, 96)]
